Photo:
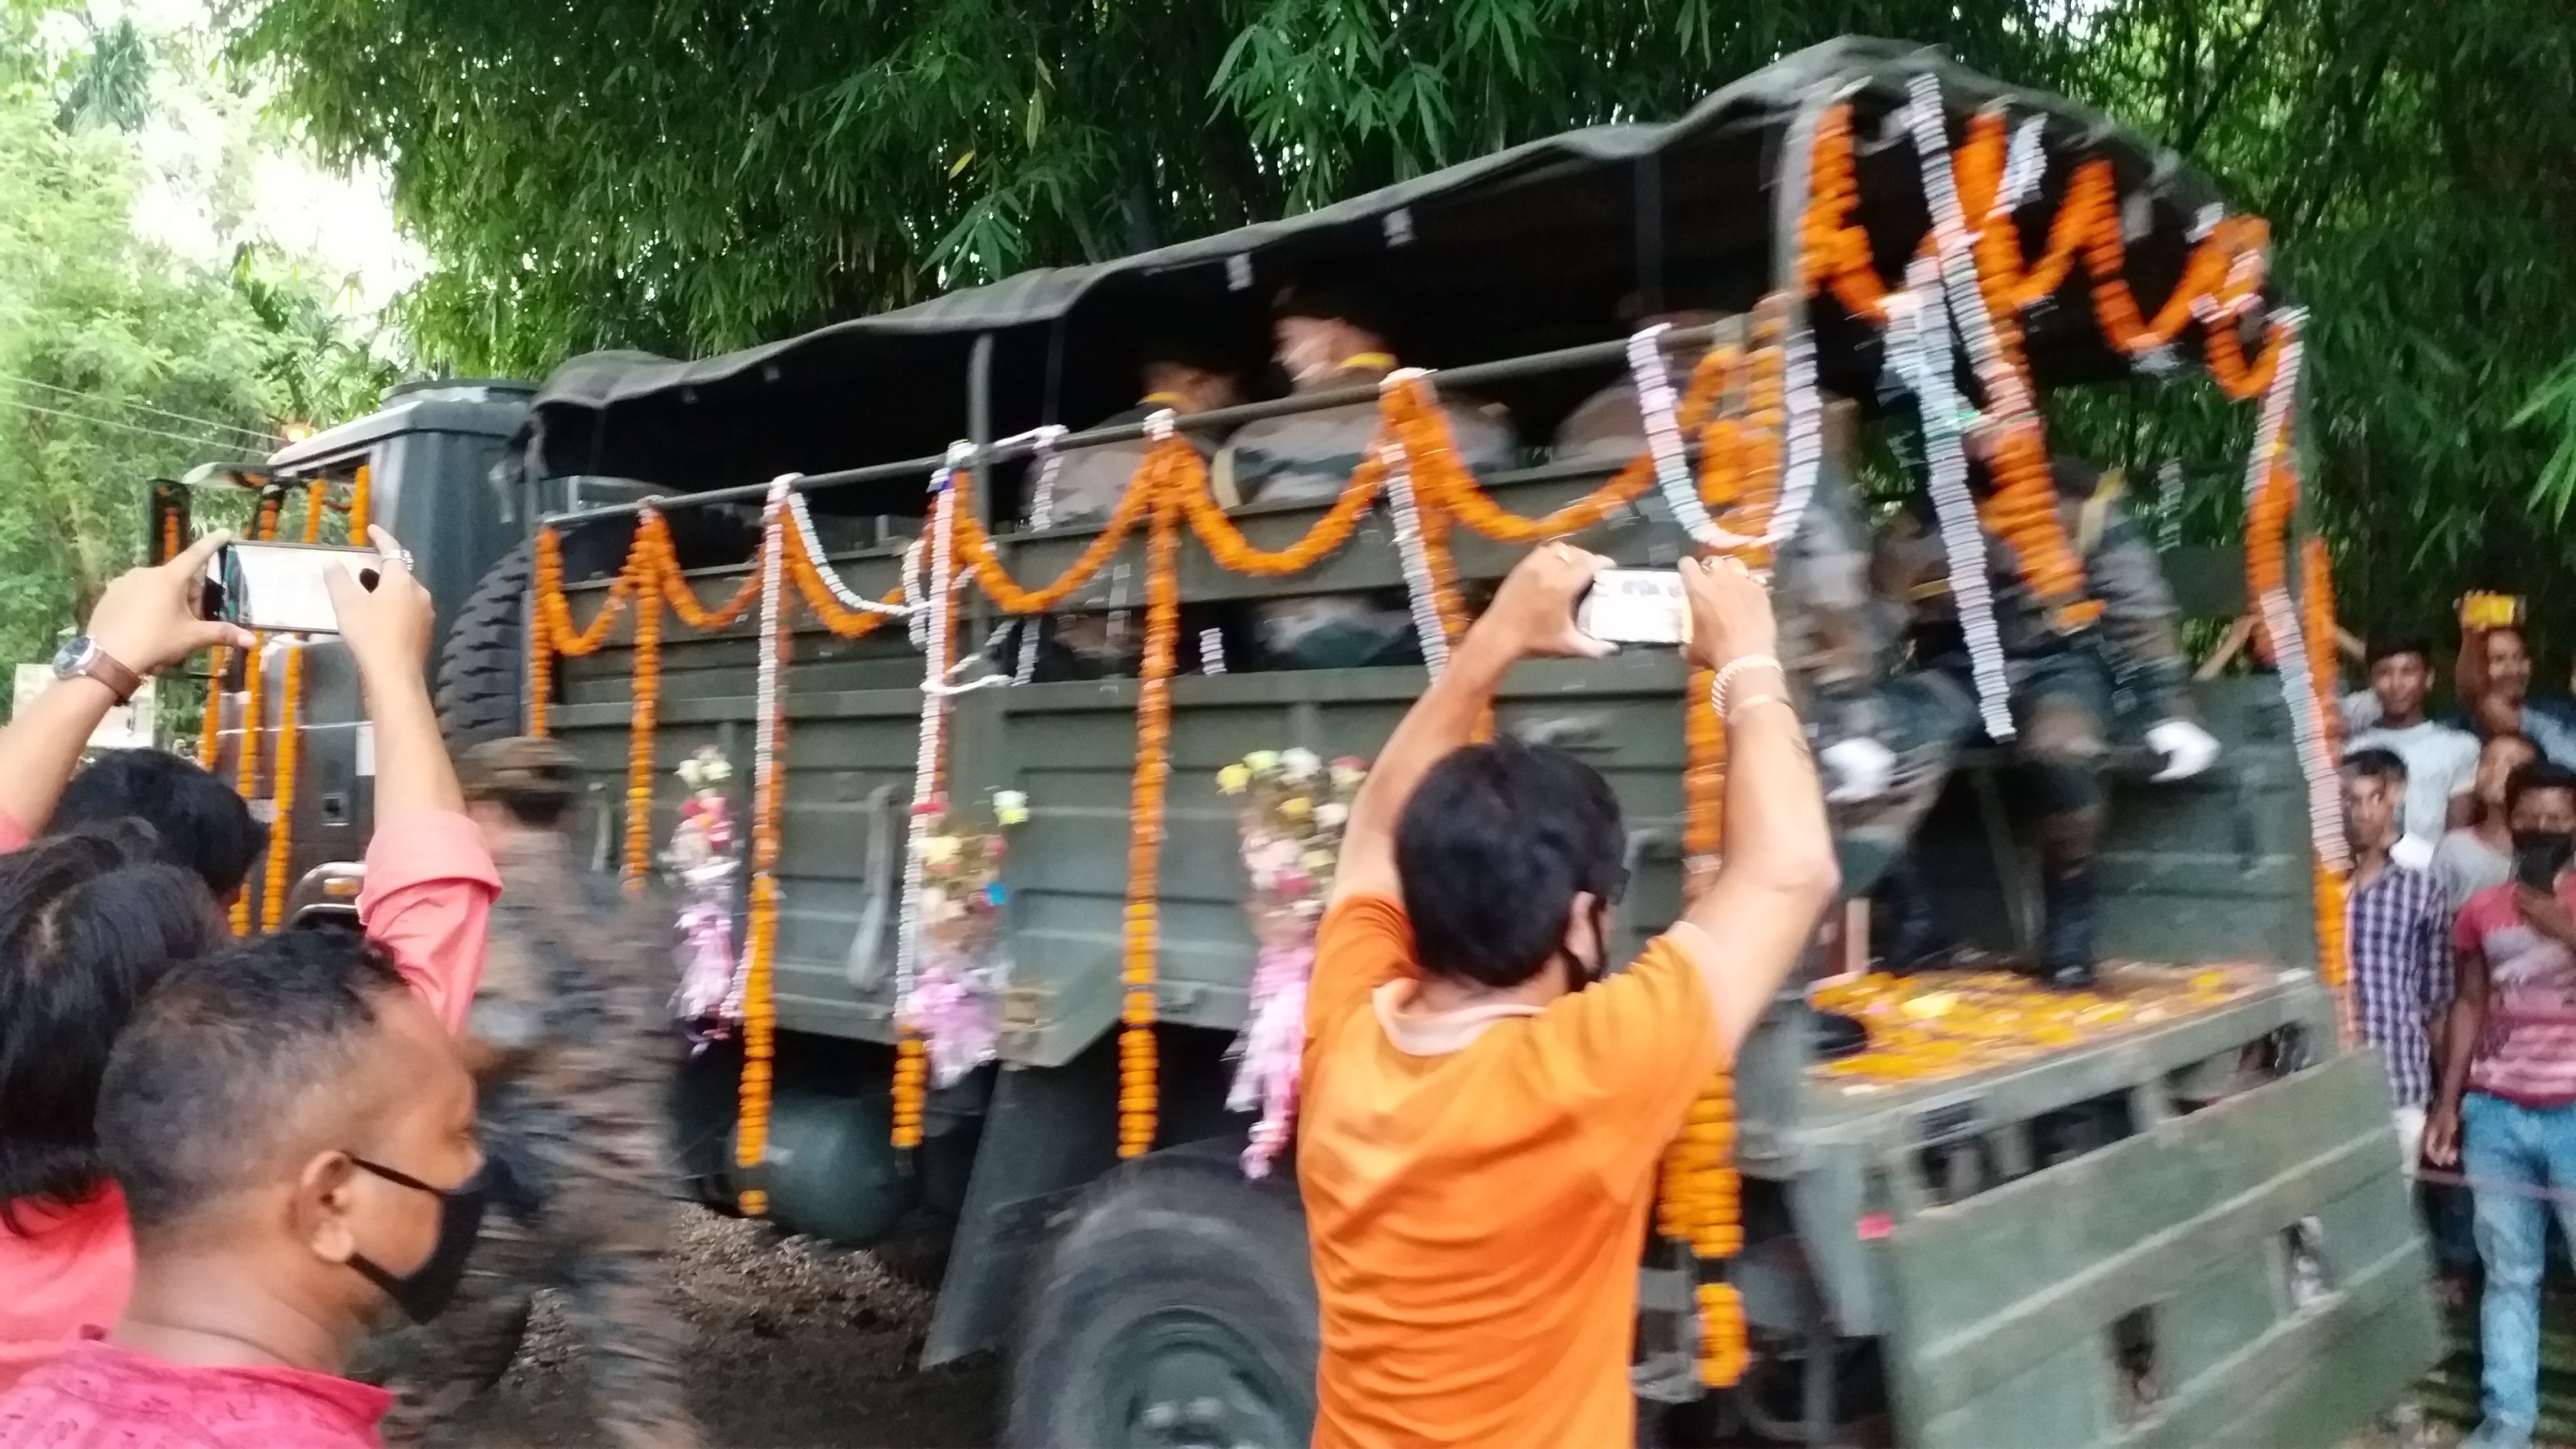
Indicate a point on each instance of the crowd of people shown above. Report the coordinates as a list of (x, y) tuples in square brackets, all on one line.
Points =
[(2461, 931), (228, 1162)]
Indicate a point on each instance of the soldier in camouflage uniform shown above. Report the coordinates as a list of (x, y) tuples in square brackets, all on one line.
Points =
[(569, 1034), (1329, 336), (1886, 735), (1186, 372), (2067, 690)]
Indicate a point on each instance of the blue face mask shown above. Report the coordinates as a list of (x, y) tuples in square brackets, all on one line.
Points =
[(424, 1292)]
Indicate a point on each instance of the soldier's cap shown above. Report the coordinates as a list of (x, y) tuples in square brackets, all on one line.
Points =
[(1330, 295), (524, 770)]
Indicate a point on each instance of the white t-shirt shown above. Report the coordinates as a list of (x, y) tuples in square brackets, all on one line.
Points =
[(2441, 764)]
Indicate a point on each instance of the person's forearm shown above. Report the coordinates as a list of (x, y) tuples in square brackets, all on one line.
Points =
[(1441, 721), (1776, 838), (413, 772), (42, 747), (2460, 1028)]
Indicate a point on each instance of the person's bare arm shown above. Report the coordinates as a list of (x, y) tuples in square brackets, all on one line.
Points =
[(1777, 873), (1532, 615), (2239, 634), (146, 621), (2461, 1027), (2463, 811), (388, 631)]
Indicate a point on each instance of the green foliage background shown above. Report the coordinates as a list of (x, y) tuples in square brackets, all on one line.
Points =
[(689, 175), (120, 362)]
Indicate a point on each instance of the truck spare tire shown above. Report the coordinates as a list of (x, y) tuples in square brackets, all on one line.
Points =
[(481, 671), (1178, 1309)]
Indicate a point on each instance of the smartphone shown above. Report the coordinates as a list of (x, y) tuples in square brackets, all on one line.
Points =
[(1635, 606), (2483, 610), (277, 588), (2536, 863)]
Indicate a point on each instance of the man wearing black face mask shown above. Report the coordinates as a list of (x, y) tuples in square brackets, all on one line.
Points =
[(2508, 1106), (293, 1129), (1483, 1111)]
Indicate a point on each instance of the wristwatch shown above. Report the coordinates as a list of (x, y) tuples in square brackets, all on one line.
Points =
[(81, 658)]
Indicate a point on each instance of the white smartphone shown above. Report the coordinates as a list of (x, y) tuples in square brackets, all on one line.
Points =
[(1635, 606), (277, 588)]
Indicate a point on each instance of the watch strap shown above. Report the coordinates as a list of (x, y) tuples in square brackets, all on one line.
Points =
[(96, 663)]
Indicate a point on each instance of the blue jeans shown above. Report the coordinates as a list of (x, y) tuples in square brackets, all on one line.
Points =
[(2513, 1146)]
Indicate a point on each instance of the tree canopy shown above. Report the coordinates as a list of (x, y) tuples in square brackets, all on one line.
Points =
[(120, 362), (688, 177)]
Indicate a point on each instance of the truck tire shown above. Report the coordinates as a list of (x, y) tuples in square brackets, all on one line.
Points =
[(1178, 1310), (482, 669)]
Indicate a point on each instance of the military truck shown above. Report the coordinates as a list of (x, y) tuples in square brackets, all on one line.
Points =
[(2189, 1231)]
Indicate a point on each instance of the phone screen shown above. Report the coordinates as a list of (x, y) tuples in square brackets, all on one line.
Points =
[(278, 588), (1635, 606)]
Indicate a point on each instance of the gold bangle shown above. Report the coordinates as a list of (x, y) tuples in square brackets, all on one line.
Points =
[(1749, 701)]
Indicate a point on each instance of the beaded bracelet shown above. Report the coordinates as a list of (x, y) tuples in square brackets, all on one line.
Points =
[(1726, 677)]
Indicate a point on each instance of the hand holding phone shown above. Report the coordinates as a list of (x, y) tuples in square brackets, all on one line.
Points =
[(1635, 606), (283, 588)]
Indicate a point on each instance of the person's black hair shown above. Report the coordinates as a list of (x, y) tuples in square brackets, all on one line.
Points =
[(203, 824), (1205, 348), (89, 923), (2535, 777), (2415, 644), (1337, 294), (1492, 849), (2375, 763), (209, 1075)]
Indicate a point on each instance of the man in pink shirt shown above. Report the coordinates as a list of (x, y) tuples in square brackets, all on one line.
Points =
[(66, 1254), (294, 1132), (2508, 1104)]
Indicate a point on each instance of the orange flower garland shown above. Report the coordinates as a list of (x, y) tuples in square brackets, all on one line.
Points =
[(290, 756), (254, 719), (361, 501), (1139, 1094), (2316, 602), (210, 729), (760, 943), (547, 586), (642, 718)]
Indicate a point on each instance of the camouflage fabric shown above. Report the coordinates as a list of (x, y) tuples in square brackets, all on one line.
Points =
[(2139, 639), (1608, 428), (1843, 648), (1307, 458), (572, 1007)]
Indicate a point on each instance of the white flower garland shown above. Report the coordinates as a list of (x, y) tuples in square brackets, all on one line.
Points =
[(1420, 590), (940, 598), (1041, 515), (2289, 641), (850, 598), (1918, 347), (1657, 408), (764, 749)]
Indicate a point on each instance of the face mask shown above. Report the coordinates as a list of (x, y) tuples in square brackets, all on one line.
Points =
[(2539, 855), (424, 1292)]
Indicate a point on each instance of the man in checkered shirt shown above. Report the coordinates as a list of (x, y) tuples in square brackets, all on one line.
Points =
[(2397, 929)]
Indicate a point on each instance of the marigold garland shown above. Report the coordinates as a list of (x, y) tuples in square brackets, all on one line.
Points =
[(361, 504), (760, 944), (290, 756), (642, 718), (1139, 1098), (254, 719)]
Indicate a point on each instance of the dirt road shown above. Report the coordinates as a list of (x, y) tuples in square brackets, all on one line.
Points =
[(799, 1347)]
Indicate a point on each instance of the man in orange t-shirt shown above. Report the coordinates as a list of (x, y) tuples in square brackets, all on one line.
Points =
[(1485, 1107)]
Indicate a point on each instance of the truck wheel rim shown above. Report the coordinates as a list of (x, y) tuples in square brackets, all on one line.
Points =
[(1182, 1380)]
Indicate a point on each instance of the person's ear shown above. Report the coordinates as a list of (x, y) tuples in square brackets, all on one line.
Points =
[(325, 1205), (1583, 934)]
